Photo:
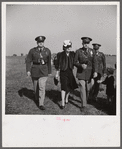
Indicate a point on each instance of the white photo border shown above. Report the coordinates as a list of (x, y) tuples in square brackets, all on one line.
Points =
[(45, 131)]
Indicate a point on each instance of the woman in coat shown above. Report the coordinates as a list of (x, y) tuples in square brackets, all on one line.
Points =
[(64, 67)]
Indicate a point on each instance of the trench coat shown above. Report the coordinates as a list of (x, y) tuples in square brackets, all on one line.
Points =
[(33, 63), (81, 57)]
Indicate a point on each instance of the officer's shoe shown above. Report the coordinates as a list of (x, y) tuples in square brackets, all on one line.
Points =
[(41, 107), (62, 107), (82, 108)]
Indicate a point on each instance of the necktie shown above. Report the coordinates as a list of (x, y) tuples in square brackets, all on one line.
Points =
[(85, 52), (41, 57)]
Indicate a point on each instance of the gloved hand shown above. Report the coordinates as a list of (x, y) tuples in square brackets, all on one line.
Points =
[(28, 74), (99, 81), (95, 75), (84, 66)]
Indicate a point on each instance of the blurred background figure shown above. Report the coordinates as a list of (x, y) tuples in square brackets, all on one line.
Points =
[(101, 68), (109, 82)]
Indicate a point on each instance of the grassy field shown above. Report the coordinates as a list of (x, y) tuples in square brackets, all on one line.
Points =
[(20, 96)]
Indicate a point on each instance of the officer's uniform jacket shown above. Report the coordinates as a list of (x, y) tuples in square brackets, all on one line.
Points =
[(101, 62), (39, 62), (62, 61), (82, 57)]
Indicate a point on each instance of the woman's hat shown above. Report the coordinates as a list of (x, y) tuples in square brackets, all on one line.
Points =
[(110, 70), (67, 43)]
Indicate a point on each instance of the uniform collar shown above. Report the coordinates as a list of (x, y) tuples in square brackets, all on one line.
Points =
[(85, 50), (97, 53), (40, 49)]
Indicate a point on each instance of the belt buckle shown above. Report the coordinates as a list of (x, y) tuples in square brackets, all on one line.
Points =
[(39, 61), (42, 62)]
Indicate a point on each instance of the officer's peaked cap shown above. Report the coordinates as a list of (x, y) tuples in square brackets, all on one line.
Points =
[(40, 38), (96, 44), (86, 39)]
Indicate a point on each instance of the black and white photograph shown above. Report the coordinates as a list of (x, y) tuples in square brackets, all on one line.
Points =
[(61, 74)]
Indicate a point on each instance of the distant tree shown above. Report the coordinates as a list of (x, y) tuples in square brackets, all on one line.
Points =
[(14, 54), (21, 54), (26, 58)]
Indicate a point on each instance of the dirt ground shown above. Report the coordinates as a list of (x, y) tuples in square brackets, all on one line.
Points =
[(19, 95)]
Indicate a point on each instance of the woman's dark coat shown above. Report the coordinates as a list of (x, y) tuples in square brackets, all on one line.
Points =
[(62, 61)]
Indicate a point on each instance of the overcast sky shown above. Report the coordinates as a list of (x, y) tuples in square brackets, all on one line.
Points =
[(58, 23)]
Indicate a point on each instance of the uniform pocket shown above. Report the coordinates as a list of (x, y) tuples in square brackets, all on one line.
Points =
[(35, 71), (43, 70)]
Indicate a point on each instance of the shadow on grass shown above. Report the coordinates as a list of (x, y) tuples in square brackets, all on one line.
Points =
[(101, 104), (76, 93), (54, 95), (28, 93), (71, 100)]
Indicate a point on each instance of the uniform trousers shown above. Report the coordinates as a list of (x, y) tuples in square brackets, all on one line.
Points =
[(95, 88), (85, 88), (39, 88)]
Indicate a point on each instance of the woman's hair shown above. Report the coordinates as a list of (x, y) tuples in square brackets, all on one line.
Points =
[(64, 48)]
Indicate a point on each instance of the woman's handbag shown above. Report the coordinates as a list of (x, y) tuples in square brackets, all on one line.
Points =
[(56, 81)]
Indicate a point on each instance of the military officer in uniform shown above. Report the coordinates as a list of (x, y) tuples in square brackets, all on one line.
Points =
[(38, 66), (86, 69), (101, 68)]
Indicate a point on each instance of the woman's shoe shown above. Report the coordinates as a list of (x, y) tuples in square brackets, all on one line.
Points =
[(62, 107), (66, 102), (42, 107)]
